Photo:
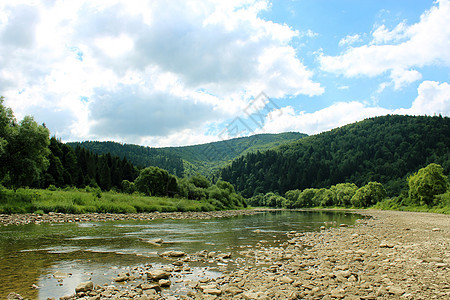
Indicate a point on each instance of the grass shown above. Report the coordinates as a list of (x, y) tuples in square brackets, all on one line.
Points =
[(91, 201), (441, 206)]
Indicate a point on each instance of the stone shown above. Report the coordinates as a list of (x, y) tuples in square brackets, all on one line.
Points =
[(253, 295), (208, 287), (395, 290), (386, 245), (216, 292), (436, 229), (164, 282), (233, 290), (158, 274), (121, 277), (286, 280), (84, 287), (150, 286), (60, 275), (14, 296), (343, 225), (173, 253), (157, 241)]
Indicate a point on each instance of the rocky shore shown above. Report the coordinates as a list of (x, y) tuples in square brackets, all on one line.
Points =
[(22, 219), (389, 255)]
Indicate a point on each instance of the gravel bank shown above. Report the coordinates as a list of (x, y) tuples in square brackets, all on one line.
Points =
[(22, 219), (390, 255)]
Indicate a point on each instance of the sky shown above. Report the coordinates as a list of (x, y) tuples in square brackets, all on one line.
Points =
[(174, 73)]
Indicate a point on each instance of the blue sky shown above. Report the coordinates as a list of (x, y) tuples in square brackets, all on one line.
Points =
[(187, 72)]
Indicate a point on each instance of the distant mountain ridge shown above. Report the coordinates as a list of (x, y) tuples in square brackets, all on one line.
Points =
[(385, 149), (205, 159)]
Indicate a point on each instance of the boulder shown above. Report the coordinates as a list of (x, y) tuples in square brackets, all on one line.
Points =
[(158, 274), (84, 287), (164, 282)]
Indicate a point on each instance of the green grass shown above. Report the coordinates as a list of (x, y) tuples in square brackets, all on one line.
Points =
[(90, 201), (442, 206)]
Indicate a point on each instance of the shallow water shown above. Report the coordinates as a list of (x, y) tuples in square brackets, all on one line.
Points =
[(56, 257)]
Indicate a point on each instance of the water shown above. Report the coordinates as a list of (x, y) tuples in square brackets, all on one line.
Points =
[(56, 257)]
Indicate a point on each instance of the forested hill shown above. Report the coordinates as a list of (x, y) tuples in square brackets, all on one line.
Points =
[(189, 160), (384, 149)]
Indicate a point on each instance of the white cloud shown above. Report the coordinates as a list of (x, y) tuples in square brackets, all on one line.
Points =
[(336, 115), (86, 58), (349, 40), (401, 78), (382, 35), (433, 98), (405, 47)]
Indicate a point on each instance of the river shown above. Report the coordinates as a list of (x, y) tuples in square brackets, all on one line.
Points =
[(56, 257)]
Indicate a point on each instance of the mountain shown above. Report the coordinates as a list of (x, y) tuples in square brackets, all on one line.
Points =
[(385, 149), (205, 159)]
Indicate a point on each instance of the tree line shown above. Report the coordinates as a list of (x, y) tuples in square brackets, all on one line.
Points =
[(428, 187), (383, 149), (29, 158)]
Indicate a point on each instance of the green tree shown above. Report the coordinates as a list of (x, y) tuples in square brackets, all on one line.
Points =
[(200, 181), (23, 149), (128, 187), (344, 193), (368, 195), (306, 198), (154, 181), (427, 183)]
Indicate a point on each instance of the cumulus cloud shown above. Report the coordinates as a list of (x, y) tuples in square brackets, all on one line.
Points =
[(400, 50), (433, 98), (401, 78), (120, 67)]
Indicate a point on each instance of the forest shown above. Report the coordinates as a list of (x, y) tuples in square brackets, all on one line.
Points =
[(205, 159), (383, 149), (389, 162)]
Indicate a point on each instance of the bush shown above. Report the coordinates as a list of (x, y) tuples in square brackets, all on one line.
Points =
[(426, 184), (369, 195)]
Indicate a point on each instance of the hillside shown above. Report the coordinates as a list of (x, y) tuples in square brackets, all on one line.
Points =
[(205, 159), (384, 149)]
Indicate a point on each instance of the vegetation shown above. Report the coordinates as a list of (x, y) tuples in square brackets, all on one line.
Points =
[(91, 200), (23, 149), (428, 190), (398, 162), (384, 149), (205, 159), (31, 160)]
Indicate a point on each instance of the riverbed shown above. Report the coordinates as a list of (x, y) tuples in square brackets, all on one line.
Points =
[(41, 260)]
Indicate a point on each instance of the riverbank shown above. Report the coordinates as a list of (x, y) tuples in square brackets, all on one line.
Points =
[(395, 255), (22, 219), (389, 255)]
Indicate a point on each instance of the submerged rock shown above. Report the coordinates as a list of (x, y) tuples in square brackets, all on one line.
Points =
[(173, 253)]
